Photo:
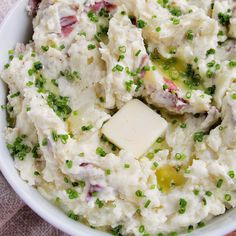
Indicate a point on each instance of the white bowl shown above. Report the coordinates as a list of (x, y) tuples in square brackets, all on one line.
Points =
[(17, 27)]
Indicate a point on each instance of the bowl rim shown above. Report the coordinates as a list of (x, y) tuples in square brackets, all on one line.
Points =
[(81, 230)]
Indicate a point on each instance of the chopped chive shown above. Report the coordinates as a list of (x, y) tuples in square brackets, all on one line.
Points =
[(165, 86), (183, 125), (126, 166), (72, 193), (121, 57), (204, 201), (234, 96), (62, 47), (141, 229), (44, 142), (201, 224), (54, 136), (72, 215), (139, 193), (11, 51), (231, 174), (82, 184), (220, 33), (209, 73), (45, 48), (141, 23), (86, 128), (128, 85), (17, 94), (219, 183), (81, 154), (155, 165), (6, 66), (217, 66), (69, 164), (146, 68), (153, 186), (138, 52), (160, 140), (11, 57), (224, 18), (147, 203), (54, 82), (36, 173), (173, 233), (29, 83), (92, 16), (179, 156), (70, 75), (63, 138), (30, 72), (211, 51), (118, 68), (175, 21), (102, 99), (91, 46), (190, 35), (188, 95), (37, 65), (150, 155), (94, 194), (210, 90), (108, 172), (139, 84), (122, 49), (99, 203), (100, 152), (232, 63), (227, 197), (75, 184), (66, 180), (59, 104), (21, 57), (208, 193), (190, 228), (211, 63), (182, 206), (198, 136)]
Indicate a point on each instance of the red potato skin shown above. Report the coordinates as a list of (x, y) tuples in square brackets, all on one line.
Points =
[(97, 6), (171, 85), (67, 24), (173, 89)]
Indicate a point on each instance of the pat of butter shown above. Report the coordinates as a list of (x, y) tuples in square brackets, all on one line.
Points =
[(135, 127)]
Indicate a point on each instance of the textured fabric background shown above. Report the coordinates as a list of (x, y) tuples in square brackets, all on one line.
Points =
[(17, 219)]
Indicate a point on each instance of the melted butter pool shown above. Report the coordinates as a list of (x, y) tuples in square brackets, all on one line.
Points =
[(167, 177), (177, 71)]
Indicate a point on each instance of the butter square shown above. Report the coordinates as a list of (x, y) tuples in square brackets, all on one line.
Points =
[(135, 127)]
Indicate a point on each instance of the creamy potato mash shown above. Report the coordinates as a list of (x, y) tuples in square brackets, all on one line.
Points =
[(84, 63)]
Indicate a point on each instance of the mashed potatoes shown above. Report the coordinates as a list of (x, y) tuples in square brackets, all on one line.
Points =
[(85, 62)]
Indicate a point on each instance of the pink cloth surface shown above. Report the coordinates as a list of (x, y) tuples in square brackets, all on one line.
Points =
[(16, 218)]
